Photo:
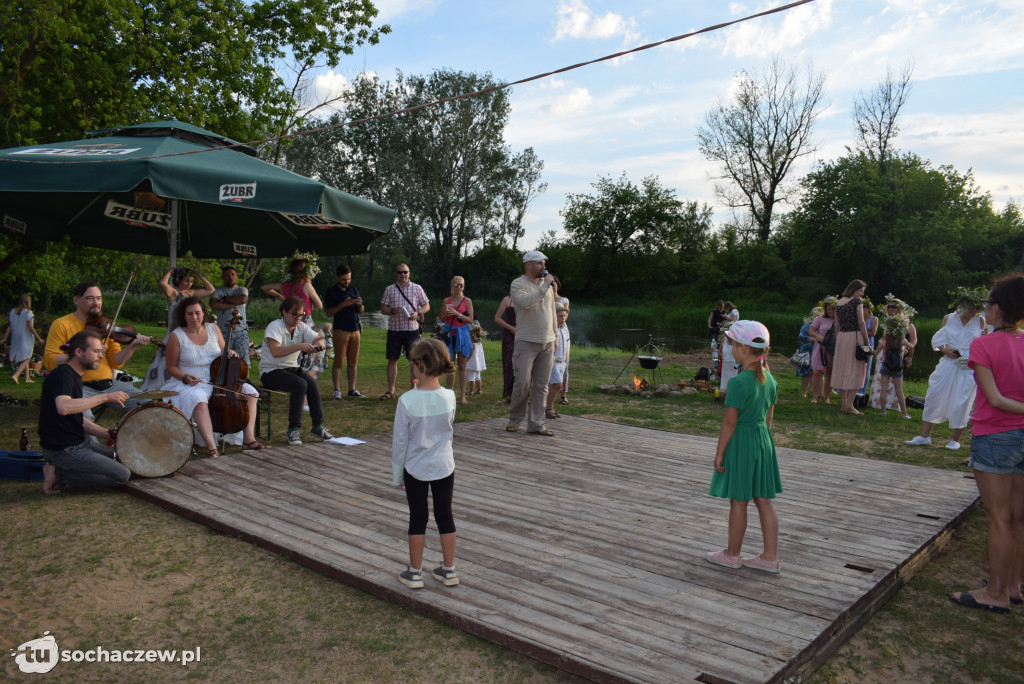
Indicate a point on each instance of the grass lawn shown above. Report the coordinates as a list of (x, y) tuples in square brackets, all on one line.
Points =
[(101, 568)]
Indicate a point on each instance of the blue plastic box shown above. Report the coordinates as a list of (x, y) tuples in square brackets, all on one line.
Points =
[(22, 465)]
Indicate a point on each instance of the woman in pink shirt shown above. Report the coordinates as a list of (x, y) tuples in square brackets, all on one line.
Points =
[(997, 444)]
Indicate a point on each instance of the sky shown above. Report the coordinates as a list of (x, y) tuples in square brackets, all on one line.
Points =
[(639, 114)]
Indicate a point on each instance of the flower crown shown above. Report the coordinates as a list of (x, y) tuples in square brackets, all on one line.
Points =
[(310, 271), (896, 325), (830, 300), (967, 299), (905, 309)]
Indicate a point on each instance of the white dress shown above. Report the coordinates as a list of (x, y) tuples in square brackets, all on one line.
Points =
[(22, 341), (951, 387), (194, 359), (728, 366), (476, 363)]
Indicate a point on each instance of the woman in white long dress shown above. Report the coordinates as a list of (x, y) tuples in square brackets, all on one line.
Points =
[(23, 336), (951, 387), (191, 348)]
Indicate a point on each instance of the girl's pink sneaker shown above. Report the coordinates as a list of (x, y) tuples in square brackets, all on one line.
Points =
[(759, 563), (719, 558)]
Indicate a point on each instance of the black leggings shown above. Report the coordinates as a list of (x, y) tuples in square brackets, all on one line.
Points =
[(416, 493)]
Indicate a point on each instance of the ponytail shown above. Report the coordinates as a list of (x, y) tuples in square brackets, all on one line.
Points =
[(762, 364)]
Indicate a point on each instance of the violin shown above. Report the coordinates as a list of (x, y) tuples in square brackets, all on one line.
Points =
[(122, 334), (229, 409)]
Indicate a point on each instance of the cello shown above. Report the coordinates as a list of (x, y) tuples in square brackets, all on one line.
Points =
[(229, 409)]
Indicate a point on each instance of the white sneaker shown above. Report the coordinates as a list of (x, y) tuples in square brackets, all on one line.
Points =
[(337, 394), (953, 445), (919, 441)]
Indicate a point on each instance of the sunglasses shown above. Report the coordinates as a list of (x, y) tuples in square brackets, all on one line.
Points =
[(402, 272), (458, 285)]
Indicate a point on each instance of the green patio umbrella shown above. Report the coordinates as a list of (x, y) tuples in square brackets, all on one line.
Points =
[(169, 187)]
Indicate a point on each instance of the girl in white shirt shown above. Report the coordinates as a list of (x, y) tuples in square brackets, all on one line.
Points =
[(422, 459)]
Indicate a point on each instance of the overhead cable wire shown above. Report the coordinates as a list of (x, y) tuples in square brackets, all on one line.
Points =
[(433, 103)]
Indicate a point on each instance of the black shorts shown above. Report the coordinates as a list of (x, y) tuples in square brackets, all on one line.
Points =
[(399, 340)]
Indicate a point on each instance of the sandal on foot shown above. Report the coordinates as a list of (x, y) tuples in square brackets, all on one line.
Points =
[(564, 402), (543, 431), (386, 396), (254, 445), (212, 453), (511, 427), (965, 598), (552, 414)]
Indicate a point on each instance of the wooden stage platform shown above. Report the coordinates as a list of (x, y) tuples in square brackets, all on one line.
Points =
[(586, 549)]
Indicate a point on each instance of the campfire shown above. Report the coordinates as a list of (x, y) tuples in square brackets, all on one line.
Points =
[(641, 385)]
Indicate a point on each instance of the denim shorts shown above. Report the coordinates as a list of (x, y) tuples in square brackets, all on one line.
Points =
[(1001, 453), (884, 370)]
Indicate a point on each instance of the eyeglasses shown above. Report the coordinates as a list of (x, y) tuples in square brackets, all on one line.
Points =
[(297, 314), (402, 272), (893, 306), (458, 285)]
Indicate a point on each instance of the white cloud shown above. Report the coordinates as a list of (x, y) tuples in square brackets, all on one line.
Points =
[(576, 101), (388, 10), (326, 86), (767, 36), (576, 20)]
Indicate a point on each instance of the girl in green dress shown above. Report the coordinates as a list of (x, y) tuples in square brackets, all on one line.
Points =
[(746, 466)]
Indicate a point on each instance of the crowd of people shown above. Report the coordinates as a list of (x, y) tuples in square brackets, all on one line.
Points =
[(978, 382)]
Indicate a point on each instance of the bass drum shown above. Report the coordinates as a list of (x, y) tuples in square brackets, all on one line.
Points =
[(154, 439)]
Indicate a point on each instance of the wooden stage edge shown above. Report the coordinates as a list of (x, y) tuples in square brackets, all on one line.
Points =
[(547, 524)]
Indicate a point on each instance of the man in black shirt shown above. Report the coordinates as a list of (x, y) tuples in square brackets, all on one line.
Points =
[(72, 458)]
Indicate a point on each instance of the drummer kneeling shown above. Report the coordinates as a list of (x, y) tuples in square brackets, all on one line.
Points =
[(72, 458)]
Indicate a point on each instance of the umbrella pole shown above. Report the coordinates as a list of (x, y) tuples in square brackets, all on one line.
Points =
[(173, 233)]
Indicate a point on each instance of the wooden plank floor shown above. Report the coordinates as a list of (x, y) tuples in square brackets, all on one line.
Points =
[(586, 550)]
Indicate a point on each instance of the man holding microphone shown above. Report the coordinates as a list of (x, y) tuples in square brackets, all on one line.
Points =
[(532, 296)]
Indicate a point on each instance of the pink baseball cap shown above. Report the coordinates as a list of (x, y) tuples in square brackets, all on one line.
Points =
[(750, 333)]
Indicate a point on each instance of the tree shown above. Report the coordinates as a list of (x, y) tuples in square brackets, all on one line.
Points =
[(623, 223), (875, 115), (758, 137), (69, 66), (518, 186), (942, 230), (444, 168)]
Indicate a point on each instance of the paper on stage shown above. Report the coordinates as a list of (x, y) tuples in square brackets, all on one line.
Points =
[(347, 441)]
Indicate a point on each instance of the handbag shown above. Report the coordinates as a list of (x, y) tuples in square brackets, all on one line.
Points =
[(800, 358), (828, 341), (419, 316), (862, 352)]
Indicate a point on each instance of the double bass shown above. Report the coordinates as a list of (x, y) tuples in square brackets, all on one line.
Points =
[(229, 409)]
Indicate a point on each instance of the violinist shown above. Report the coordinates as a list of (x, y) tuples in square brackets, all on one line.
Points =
[(283, 341), (89, 304), (191, 348)]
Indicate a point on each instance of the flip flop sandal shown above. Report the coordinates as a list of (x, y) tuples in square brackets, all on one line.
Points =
[(386, 396), (512, 427), (965, 599), (544, 432), (552, 414), (564, 402)]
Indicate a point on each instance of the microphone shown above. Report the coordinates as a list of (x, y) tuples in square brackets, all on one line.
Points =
[(544, 274)]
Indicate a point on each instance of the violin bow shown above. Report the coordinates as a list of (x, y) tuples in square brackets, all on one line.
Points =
[(242, 394), (113, 321)]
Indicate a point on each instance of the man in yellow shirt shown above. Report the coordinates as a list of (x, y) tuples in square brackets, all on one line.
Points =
[(89, 302)]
